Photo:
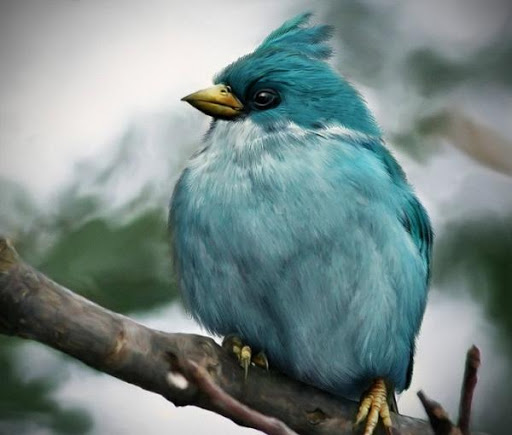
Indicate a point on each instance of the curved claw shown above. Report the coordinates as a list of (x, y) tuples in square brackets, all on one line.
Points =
[(260, 359)]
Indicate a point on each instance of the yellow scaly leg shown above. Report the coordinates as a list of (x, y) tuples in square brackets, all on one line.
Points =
[(374, 405)]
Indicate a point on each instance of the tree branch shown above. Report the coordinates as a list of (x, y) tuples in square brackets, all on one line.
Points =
[(186, 369)]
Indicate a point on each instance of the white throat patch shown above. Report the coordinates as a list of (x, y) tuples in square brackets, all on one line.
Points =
[(247, 141), (247, 134), (236, 135)]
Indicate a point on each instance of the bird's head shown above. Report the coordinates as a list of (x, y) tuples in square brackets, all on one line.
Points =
[(287, 80)]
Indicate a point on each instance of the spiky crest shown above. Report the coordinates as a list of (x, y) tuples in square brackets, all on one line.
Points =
[(296, 36)]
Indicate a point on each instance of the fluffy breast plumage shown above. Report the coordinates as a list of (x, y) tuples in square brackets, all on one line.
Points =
[(298, 245)]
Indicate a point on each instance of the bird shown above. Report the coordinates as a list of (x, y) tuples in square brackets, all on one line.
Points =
[(295, 232)]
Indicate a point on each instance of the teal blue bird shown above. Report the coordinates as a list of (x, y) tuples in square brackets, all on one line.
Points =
[(295, 229)]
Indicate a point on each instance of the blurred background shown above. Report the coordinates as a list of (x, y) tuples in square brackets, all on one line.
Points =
[(93, 136)]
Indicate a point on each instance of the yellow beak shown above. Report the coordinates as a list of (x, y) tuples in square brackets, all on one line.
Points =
[(217, 101)]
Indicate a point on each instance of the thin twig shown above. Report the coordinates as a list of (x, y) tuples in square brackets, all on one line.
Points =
[(468, 388), (439, 419), (238, 411)]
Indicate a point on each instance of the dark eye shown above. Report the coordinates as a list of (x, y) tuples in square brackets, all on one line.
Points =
[(265, 99)]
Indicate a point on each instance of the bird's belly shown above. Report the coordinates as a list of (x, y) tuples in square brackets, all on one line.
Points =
[(334, 306), (326, 282)]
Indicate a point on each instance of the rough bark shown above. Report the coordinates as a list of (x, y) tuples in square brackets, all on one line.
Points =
[(186, 369)]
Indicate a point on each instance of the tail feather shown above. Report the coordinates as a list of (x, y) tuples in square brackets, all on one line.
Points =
[(393, 405)]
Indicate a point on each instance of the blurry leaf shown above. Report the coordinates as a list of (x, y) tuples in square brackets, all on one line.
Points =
[(125, 266), (72, 421), (431, 73), (503, 65), (479, 250), (17, 208), (433, 124), (422, 139)]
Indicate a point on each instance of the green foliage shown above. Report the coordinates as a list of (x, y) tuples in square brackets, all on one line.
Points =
[(421, 139), (431, 73), (479, 251), (123, 266)]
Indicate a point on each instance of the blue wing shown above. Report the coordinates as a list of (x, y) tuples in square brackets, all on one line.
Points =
[(416, 222), (413, 215)]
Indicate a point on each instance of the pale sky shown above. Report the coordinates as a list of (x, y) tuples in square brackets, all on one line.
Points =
[(74, 73)]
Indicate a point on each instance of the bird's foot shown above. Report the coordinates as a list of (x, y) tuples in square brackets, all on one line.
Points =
[(374, 405), (234, 344)]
